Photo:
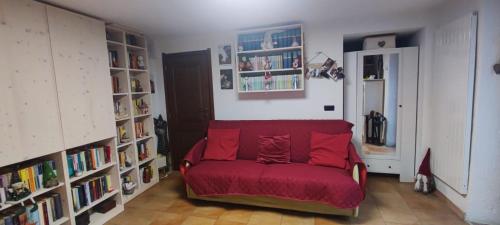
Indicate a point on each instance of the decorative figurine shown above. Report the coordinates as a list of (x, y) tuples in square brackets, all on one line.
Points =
[(268, 80), (17, 189), (140, 62), (245, 85), (268, 39), (128, 185), (296, 63), (49, 176), (295, 81), (294, 42), (123, 134)]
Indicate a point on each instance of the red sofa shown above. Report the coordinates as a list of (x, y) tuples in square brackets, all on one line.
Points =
[(296, 186)]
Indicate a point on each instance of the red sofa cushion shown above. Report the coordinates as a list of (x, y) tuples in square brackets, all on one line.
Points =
[(222, 144), (274, 149), (299, 130), (329, 150), (297, 181)]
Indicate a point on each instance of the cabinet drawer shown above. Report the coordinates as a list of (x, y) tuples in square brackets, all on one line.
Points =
[(383, 166)]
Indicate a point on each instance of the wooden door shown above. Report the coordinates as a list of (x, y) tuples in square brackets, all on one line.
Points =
[(82, 75), (188, 83)]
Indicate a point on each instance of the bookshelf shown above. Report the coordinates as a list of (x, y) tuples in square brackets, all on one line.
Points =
[(270, 59), (132, 98)]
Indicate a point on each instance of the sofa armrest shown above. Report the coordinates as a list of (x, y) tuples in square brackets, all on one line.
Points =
[(357, 167), (194, 155)]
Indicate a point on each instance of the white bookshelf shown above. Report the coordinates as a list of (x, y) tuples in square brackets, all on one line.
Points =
[(284, 76), (117, 41)]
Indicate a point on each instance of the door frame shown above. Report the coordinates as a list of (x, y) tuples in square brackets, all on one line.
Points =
[(165, 57)]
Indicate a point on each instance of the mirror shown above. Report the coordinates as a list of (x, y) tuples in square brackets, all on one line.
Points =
[(380, 97)]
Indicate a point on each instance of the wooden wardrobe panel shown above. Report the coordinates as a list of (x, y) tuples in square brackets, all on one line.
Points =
[(29, 116), (82, 76)]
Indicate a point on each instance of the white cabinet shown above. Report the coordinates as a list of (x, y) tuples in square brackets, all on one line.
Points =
[(383, 81), (29, 115), (82, 76)]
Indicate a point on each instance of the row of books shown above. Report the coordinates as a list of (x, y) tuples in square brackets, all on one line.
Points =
[(113, 58), (286, 60), (116, 84), (287, 38), (45, 211), (88, 159), (32, 177), (91, 190), (275, 83)]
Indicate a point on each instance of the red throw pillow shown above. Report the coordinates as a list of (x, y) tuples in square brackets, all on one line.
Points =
[(329, 150), (222, 144), (274, 149)]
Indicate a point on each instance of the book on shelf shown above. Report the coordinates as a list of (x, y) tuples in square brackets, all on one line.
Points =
[(284, 60), (116, 84), (113, 58), (32, 176), (279, 82), (86, 192), (139, 129), (80, 161), (286, 38), (46, 210)]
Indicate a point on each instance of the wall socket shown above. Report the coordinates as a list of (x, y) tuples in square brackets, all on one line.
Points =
[(329, 108)]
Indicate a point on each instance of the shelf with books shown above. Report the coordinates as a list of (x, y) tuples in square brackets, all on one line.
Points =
[(135, 106), (97, 218), (96, 202), (60, 221), (92, 172), (42, 191), (123, 119), (270, 60), (114, 43)]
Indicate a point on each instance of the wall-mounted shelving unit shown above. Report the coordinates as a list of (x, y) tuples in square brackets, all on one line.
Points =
[(270, 59), (132, 99)]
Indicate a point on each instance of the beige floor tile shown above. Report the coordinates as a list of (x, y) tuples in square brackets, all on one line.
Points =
[(331, 220), (194, 220), (265, 217), (165, 218), (236, 215), (213, 212), (289, 219)]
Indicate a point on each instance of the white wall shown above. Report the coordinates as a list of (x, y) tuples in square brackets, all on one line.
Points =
[(231, 106), (484, 197)]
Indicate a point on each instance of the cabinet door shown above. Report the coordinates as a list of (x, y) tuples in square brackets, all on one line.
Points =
[(29, 116), (82, 76)]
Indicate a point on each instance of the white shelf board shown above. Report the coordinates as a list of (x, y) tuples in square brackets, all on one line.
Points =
[(124, 144), (272, 90), (117, 68), (127, 169), (137, 70), (90, 172), (141, 93), (149, 159), (60, 221), (120, 94), (142, 115), (32, 195), (122, 119), (96, 202), (271, 70), (271, 50), (143, 138), (114, 43), (135, 47)]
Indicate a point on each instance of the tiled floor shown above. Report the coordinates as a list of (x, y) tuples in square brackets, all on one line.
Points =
[(388, 203)]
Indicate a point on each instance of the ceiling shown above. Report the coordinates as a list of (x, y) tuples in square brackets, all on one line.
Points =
[(187, 17)]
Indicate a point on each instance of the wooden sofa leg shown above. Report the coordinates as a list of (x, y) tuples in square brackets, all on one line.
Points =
[(355, 212)]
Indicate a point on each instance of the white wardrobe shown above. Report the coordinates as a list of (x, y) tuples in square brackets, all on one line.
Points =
[(383, 82)]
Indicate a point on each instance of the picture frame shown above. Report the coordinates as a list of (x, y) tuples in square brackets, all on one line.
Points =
[(224, 53), (226, 79)]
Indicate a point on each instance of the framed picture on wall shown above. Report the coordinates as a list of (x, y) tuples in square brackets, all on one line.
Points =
[(224, 52), (226, 79)]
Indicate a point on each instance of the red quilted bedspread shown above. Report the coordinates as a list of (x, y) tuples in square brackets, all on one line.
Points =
[(297, 181)]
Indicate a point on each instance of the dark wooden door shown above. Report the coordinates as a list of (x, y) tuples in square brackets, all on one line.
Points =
[(188, 84)]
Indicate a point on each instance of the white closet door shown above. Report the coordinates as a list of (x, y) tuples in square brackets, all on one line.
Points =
[(29, 116), (82, 75), (452, 88)]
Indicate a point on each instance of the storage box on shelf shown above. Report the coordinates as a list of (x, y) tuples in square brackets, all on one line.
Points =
[(132, 106), (93, 174), (270, 59), (38, 191)]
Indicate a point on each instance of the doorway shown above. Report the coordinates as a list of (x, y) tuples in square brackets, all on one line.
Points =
[(189, 99)]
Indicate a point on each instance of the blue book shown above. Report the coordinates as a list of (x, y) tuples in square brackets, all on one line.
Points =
[(71, 172)]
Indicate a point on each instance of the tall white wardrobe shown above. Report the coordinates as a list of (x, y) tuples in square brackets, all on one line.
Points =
[(384, 81)]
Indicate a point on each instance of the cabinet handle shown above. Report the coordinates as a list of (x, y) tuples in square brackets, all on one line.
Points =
[(368, 165), (390, 167)]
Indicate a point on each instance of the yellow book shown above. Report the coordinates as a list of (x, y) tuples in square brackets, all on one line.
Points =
[(31, 179)]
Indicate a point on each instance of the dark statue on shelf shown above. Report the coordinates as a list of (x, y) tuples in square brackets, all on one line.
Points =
[(49, 176), (17, 189)]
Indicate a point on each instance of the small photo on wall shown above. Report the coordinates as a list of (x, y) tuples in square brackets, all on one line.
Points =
[(226, 79), (224, 54)]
